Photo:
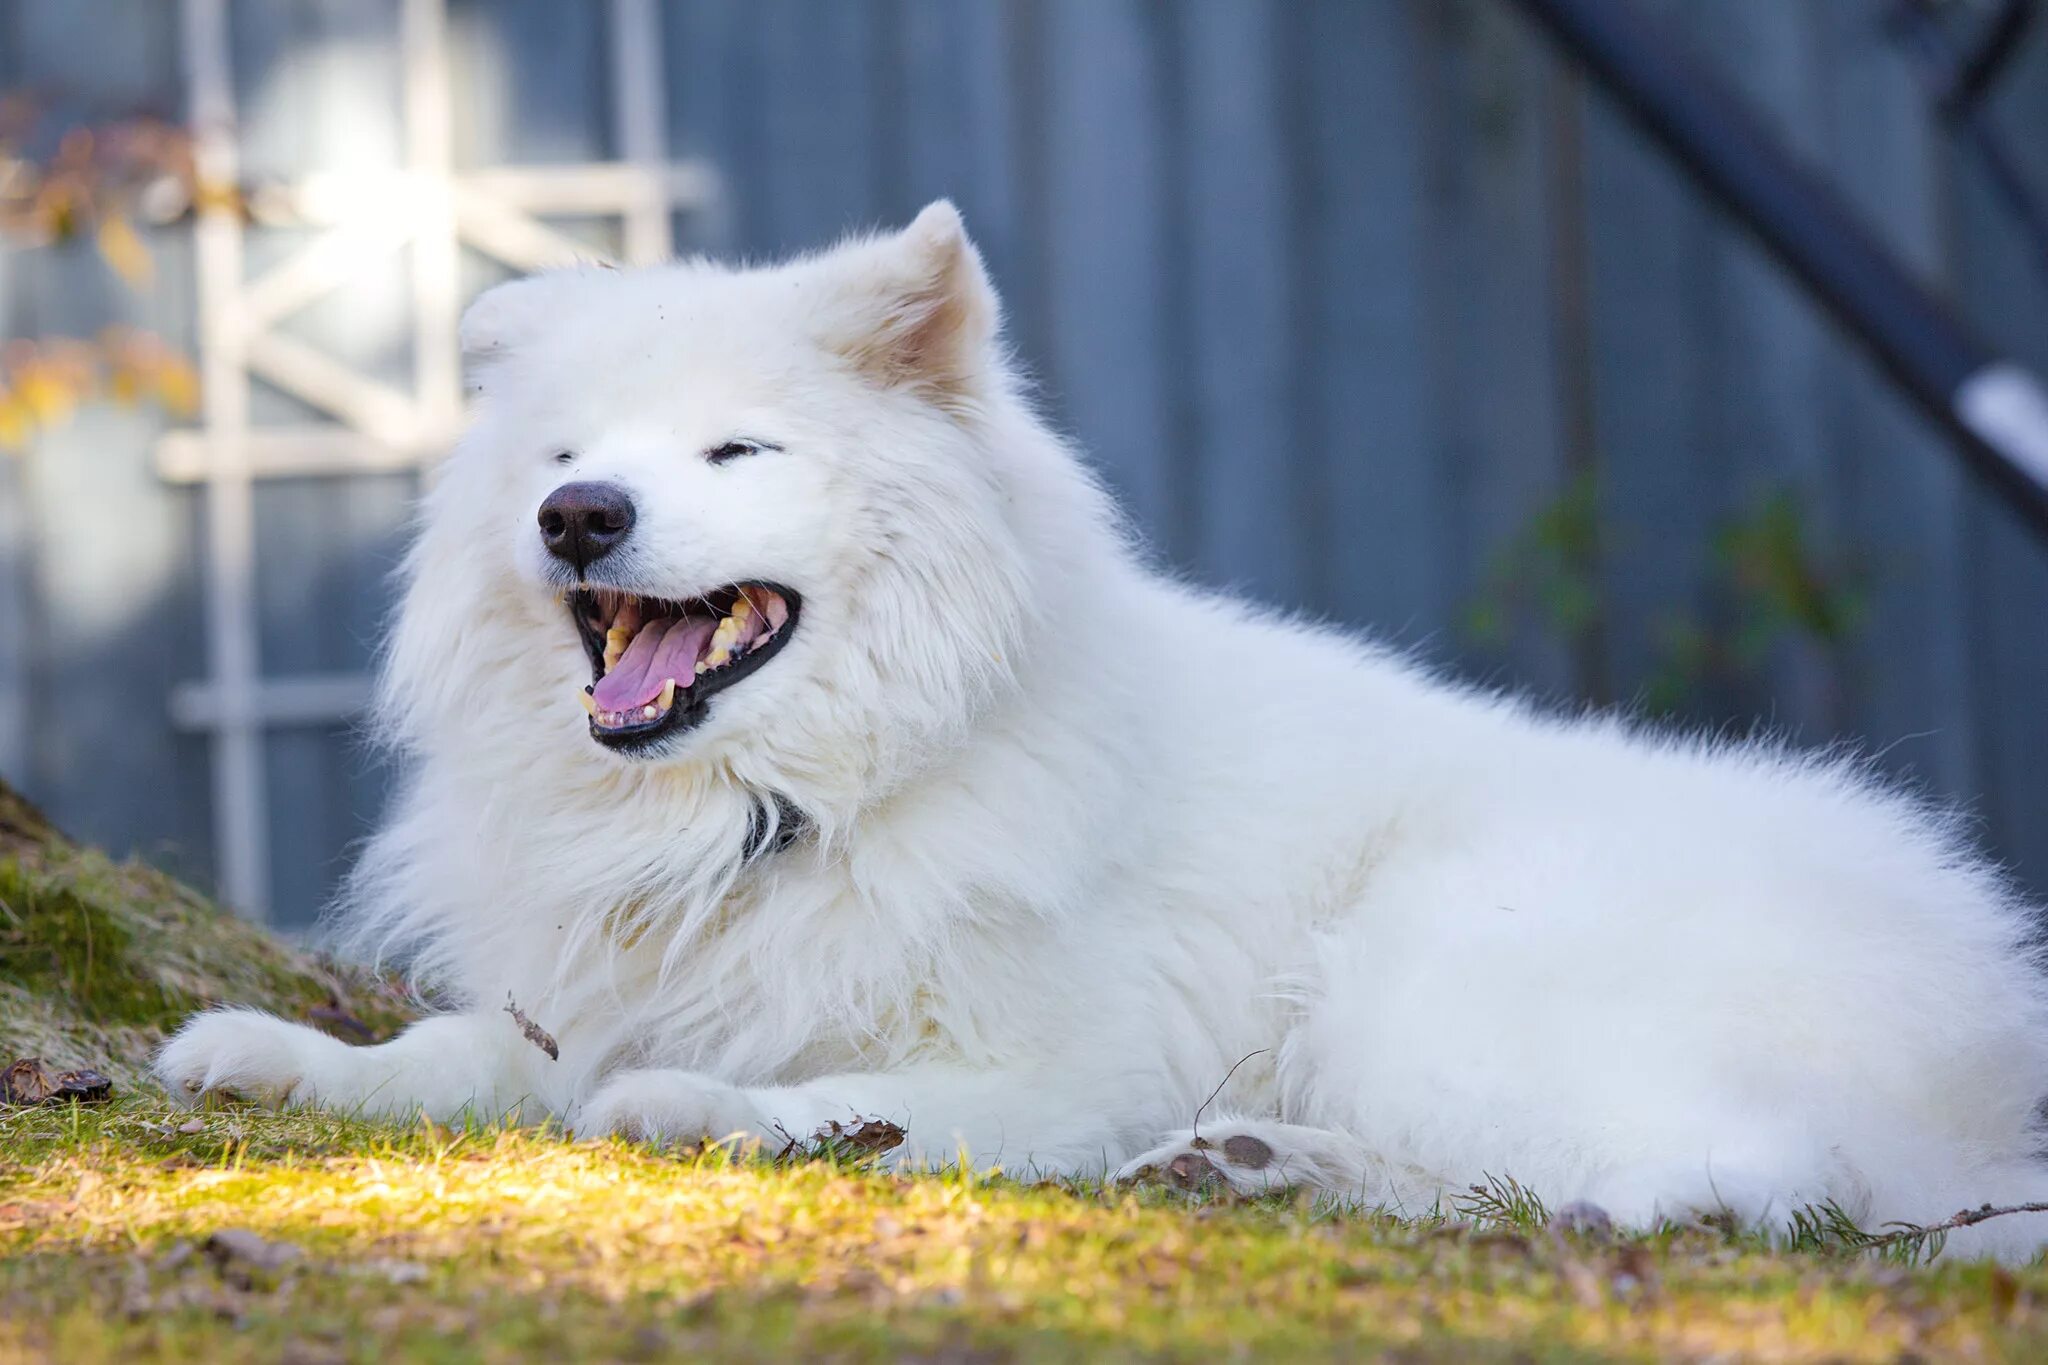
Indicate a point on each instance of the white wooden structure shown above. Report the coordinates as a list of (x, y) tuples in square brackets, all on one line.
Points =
[(431, 208), (1289, 269)]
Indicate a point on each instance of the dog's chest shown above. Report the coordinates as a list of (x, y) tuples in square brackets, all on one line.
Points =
[(797, 977)]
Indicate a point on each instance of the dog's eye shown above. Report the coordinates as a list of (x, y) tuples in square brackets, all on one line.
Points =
[(737, 447), (565, 457)]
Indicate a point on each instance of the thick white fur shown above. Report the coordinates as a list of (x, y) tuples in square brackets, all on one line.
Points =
[(1079, 837)]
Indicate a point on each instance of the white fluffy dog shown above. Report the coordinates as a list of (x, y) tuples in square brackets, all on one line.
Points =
[(795, 734)]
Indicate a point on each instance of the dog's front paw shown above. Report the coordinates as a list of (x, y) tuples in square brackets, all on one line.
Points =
[(1175, 1165), (243, 1054), (1248, 1157), (669, 1107)]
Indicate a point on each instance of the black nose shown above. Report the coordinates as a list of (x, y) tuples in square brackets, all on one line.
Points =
[(584, 522)]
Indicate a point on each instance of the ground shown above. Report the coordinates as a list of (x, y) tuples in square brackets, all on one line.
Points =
[(134, 1230)]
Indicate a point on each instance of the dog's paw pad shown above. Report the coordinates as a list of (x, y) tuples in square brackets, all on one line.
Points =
[(1192, 1171), (1247, 1151), (1241, 1163)]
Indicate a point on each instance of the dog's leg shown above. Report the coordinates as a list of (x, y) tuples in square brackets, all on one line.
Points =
[(440, 1066), (1041, 1121)]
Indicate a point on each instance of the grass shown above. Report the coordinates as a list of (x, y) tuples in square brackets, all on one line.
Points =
[(132, 1230), (491, 1243)]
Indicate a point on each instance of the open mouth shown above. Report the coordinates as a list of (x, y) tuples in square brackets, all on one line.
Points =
[(655, 663)]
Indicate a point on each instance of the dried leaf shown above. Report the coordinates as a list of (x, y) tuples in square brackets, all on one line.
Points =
[(84, 1085), (30, 1081), (861, 1139), (535, 1034)]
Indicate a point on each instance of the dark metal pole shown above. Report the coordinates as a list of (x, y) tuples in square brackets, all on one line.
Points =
[(1959, 83), (1995, 411), (1974, 73)]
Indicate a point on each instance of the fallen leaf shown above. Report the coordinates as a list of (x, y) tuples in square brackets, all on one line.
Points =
[(861, 1139), (83, 1085), (871, 1137), (28, 1081)]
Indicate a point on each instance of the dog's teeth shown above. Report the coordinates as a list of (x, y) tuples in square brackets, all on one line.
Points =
[(723, 638), (742, 609), (649, 712), (589, 703), (668, 694), (615, 641)]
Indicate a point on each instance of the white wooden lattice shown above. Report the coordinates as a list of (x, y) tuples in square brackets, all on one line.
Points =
[(435, 209)]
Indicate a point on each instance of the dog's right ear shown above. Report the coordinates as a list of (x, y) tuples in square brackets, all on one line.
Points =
[(505, 317)]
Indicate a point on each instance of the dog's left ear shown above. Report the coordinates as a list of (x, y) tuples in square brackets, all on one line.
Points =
[(917, 309)]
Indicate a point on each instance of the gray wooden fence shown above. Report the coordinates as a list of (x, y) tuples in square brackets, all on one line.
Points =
[(1350, 298)]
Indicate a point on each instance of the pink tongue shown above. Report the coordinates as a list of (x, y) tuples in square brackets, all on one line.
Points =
[(662, 649)]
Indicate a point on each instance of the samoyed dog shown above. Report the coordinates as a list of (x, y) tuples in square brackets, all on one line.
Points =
[(796, 734)]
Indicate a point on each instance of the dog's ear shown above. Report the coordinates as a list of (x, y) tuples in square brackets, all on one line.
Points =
[(917, 309), (505, 317)]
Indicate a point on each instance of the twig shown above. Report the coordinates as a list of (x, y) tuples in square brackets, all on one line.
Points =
[(535, 1034), (1915, 1232), (1196, 1140)]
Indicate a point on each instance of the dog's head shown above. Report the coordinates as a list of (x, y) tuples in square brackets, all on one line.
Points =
[(711, 512)]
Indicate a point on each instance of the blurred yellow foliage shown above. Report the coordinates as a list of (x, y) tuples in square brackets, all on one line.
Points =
[(123, 249), (43, 382), (99, 182)]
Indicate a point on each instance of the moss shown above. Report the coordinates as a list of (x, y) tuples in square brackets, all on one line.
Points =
[(99, 958), (56, 941)]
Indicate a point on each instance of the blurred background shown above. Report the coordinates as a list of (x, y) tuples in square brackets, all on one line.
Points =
[(1366, 307)]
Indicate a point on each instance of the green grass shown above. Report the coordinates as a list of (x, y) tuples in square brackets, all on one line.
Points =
[(499, 1244), (491, 1243)]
